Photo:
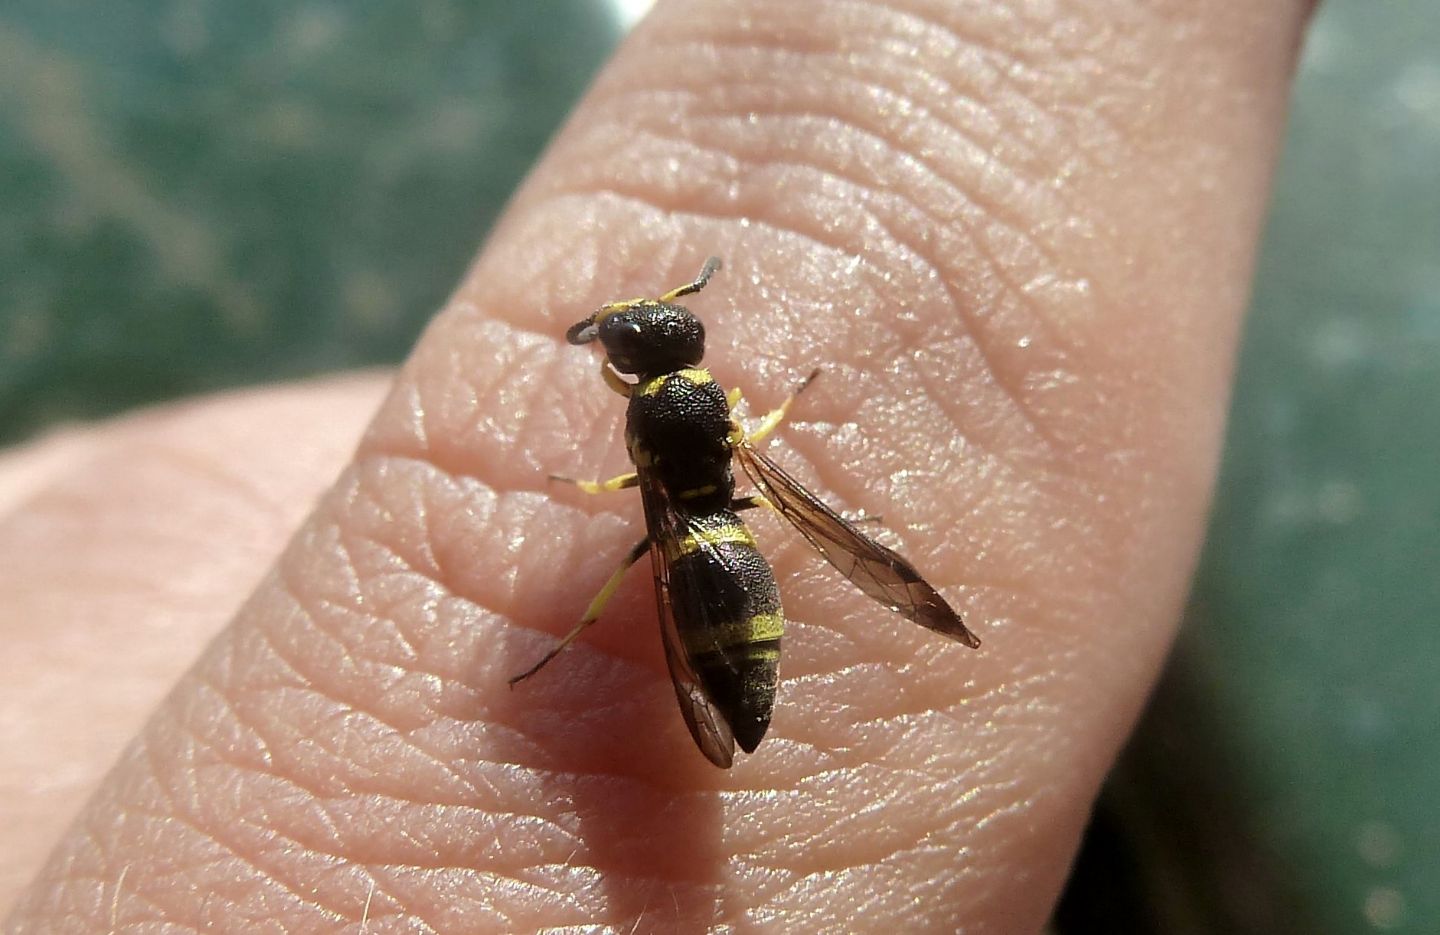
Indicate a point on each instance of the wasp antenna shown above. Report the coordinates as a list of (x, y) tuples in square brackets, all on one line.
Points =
[(582, 332), (711, 266)]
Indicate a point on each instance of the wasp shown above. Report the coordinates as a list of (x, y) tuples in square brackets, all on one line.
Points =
[(719, 606)]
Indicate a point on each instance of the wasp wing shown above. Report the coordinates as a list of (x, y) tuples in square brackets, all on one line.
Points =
[(707, 725), (878, 571)]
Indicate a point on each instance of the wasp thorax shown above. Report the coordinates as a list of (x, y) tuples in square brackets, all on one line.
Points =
[(652, 338)]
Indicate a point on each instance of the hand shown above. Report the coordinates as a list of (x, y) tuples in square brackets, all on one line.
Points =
[(1022, 246)]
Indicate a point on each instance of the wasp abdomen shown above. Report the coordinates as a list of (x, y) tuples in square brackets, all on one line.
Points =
[(728, 610)]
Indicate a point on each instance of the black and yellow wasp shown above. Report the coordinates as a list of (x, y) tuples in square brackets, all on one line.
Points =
[(719, 607)]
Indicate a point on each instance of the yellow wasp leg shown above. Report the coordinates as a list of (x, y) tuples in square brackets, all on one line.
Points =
[(775, 416), (592, 613), (618, 482)]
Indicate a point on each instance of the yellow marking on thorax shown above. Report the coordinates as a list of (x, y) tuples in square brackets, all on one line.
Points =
[(758, 629), (733, 532), (695, 375), (696, 492)]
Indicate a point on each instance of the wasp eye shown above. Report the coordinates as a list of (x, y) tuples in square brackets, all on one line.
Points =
[(622, 336), (624, 340)]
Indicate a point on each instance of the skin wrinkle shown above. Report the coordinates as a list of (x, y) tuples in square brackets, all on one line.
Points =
[(755, 225), (875, 859), (919, 454), (230, 858), (356, 786), (712, 47), (853, 130), (377, 469), (423, 577), (275, 651), (823, 876), (469, 461), (744, 117), (832, 198), (428, 558), (753, 220), (378, 464), (877, 840), (306, 673), (523, 415), (811, 33), (415, 559), (1012, 459), (830, 481), (272, 837), (798, 803), (404, 672), (309, 848), (315, 790), (410, 665)]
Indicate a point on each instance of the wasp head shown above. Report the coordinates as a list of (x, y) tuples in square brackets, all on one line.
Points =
[(648, 336)]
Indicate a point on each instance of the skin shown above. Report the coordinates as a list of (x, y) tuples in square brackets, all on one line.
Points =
[(1018, 238)]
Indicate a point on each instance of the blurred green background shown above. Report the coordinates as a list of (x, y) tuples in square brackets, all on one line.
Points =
[(199, 195)]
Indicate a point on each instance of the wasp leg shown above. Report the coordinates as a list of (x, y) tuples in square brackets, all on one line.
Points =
[(619, 482), (777, 415), (694, 286), (592, 613)]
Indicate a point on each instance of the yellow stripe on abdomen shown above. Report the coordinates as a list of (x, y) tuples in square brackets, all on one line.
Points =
[(761, 628), (731, 533)]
